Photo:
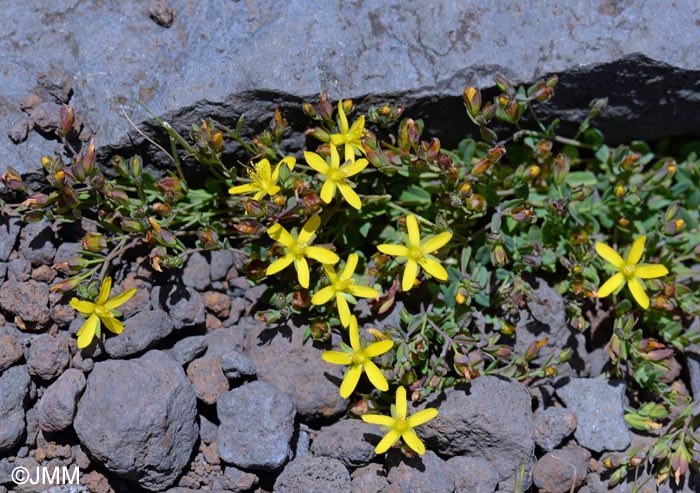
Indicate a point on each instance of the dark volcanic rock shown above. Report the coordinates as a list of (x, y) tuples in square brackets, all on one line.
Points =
[(14, 387), (561, 471), (184, 305), (473, 474), (28, 301), (418, 474), (257, 422), (9, 230), (36, 242), (48, 356), (138, 418), (207, 378), (313, 475), (141, 332), (492, 419), (187, 349), (552, 425), (426, 57), (347, 441), (237, 366), (195, 274), (369, 479), (58, 405), (10, 351)]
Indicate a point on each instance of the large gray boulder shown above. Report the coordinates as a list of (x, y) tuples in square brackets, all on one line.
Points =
[(14, 387), (138, 419), (223, 59)]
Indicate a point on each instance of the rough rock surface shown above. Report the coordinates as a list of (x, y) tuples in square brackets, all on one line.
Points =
[(257, 422), (138, 418), (10, 351), (369, 479), (313, 475), (187, 349), (349, 441), (28, 301), (141, 332), (14, 387), (426, 56), (184, 305), (48, 356), (561, 470), (492, 419), (58, 405), (207, 378), (552, 425), (473, 474), (598, 405), (418, 474)]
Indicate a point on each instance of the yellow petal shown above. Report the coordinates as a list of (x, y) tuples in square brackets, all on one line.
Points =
[(259, 195), (335, 158), (342, 119), (413, 231), (389, 439), (421, 417), (650, 271), (377, 348), (247, 188), (355, 166), (350, 196), (120, 299), (281, 235), (115, 326), (637, 250), (302, 268), (611, 285), (349, 155), (409, 274), (363, 291), (354, 335), (395, 250), (263, 169), (336, 357), (279, 264), (82, 306), (638, 293), (316, 162), (376, 376), (290, 161), (328, 191), (87, 331), (323, 255), (352, 376), (104, 291), (309, 229), (433, 268), (412, 440), (323, 296), (343, 309), (350, 267), (401, 402), (378, 419), (609, 254), (436, 242)]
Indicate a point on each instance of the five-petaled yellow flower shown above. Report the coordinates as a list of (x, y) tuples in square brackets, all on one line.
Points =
[(350, 137), (264, 178), (297, 249), (336, 175), (401, 426), (103, 310), (418, 253), (358, 358), (341, 287), (630, 271)]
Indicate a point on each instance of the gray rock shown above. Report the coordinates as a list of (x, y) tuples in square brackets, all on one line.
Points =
[(552, 425), (257, 422), (66, 250), (58, 405), (437, 53), (28, 301), (491, 419), (369, 479), (19, 268), (141, 332), (598, 405), (347, 441), (9, 230), (237, 366), (207, 430), (281, 359), (10, 351), (418, 474), (313, 475), (239, 481), (36, 242), (561, 471), (195, 274), (220, 263), (184, 305), (138, 419), (207, 378), (48, 356), (473, 474), (187, 349), (545, 316), (14, 388), (301, 443), (221, 341)]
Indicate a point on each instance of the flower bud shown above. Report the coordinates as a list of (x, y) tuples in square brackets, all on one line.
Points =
[(619, 190), (503, 84), (12, 179), (309, 110), (94, 242), (674, 226), (561, 166), (461, 296), (66, 286), (310, 202), (465, 188), (136, 166), (66, 118), (301, 299), (171, 188), (279, 199), (472, 100), (481, 166), (253, 208), (320, 331), (36, 201), (489, 111), (476, 202), (533, 171), (319, 134), (209, 238)]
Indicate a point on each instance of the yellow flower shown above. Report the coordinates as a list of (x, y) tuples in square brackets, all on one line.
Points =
[(336, 175), (351, 137), (341, 287), (297, 249), (358, 358), (401, 426), (264, 179), (629, 271), (103, 310), (418, 253)]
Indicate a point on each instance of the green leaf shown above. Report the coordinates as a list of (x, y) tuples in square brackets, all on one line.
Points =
[(581, 178), (414, 195)]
